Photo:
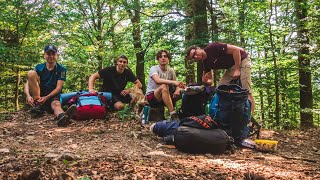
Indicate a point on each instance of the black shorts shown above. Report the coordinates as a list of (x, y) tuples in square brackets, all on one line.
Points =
[(47, 105), (124, 99)]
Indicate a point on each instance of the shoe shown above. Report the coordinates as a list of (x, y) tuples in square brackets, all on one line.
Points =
[(151, 127), (64, 118), (247, 143), (36, 110)]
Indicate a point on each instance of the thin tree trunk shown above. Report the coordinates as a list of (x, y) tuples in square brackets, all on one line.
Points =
[(16, 96), (276, 81)]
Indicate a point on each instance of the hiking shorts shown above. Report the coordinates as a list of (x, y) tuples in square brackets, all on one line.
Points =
[(153, 102), (245, 75), (124, 99), (47, 105)]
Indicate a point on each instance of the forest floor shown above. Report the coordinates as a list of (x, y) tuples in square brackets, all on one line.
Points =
[(114, 149)]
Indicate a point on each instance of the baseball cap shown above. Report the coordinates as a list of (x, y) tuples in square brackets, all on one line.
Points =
[(50, 48)]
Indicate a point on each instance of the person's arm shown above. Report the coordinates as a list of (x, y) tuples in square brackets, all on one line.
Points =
[(138, 84), (30, 99), (235, 52), (159, 80), (56, 91), (207, 78), (92, 79)]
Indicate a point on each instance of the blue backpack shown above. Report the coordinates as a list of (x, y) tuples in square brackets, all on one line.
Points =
[(231, 109)]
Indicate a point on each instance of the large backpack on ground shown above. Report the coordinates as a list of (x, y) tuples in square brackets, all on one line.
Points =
[(231, 109), (195, 134), (90, 106), (195, 140)]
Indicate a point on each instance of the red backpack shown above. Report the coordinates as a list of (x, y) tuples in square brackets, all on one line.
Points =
[(90, 106)]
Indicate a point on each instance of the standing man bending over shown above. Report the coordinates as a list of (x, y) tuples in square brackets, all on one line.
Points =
[(160, 78), (224, 56), (115, 79), (45, 83)]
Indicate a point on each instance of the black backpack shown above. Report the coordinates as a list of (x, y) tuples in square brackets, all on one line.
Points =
[(198, 134), (194, 100), (195, 140), (231, 108)]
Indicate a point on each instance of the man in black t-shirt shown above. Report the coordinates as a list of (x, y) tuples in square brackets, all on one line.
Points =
[(115, 79)]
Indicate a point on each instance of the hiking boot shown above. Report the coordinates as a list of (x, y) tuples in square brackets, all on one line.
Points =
[(36, 111), (64, 118)]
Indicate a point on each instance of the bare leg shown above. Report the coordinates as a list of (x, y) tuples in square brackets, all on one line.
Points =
[(162, 94), (33, 81), (118, 105), (250, 97), (56, 107)]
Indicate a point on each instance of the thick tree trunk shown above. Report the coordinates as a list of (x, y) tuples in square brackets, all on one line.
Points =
[(190, 75), (306, 101), (140, 53), (200, 29)]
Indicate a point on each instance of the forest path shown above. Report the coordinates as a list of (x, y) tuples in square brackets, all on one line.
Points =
[(126, 150)]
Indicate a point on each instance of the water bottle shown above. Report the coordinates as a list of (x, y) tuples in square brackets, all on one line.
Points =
[(145, 114), (207, 108)]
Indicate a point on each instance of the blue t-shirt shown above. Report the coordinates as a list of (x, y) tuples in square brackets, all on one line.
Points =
[(49, 79)]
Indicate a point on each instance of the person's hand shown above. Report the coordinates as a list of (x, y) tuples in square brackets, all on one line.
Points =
[(236, 74), (124, 92), (43, 99), (179, 84), (176, 94), (207, 78), (92, 91), (30, 101)]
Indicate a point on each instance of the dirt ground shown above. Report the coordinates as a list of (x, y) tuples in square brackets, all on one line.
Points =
[(113, 149)]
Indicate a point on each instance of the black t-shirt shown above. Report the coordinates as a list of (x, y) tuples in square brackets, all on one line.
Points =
[(115, 82), (217, 57)]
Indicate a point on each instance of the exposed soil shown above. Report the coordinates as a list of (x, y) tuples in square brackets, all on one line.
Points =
[(98, 149)]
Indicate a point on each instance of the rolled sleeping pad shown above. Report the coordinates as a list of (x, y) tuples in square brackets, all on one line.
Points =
[(65, 97)]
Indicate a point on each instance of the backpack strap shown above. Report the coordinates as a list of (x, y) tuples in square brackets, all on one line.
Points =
[(207, 122)]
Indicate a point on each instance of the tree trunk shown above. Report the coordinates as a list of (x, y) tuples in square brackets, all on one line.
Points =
[(200, 29), (276, 81), (214, 37), (190, 75), (16, 95), (306, 101), (136, 34)]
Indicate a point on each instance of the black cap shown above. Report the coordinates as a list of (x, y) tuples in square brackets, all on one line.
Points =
[(50, 48)]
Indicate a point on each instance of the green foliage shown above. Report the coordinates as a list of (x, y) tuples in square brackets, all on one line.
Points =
[(91, 34), (126, 114)]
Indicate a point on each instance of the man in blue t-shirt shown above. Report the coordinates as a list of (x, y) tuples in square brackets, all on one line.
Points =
[(45, 83)]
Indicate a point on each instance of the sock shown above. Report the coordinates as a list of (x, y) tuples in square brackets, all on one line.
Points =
[(60, 115), (173, 112)]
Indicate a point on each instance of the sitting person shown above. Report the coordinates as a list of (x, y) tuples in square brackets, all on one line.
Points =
[(115, 79), (161, 76), (45, 83)]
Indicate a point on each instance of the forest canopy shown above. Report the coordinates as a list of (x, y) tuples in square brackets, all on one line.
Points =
[(282, 38)]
